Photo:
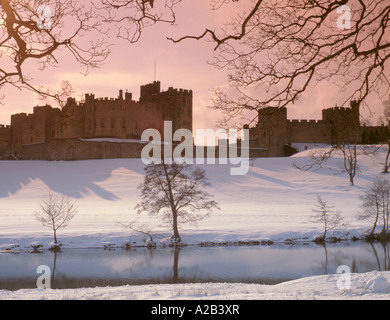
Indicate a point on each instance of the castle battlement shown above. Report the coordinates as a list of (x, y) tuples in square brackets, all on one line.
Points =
[(5, 126), (353, 106), (183, 91), (337, 108), (21, 115), (304, 121)]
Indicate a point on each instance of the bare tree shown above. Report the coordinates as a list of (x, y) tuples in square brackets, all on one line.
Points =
[(281, 48), (56, 212), (130, 17), (351, 153), (145, 230), (177, 193), (277, 50), (386, 113), (350, 160), (43, 31), (38, 31), (327, 216), (376, 205)]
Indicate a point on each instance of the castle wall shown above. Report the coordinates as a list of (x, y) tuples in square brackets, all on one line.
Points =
[(374, 134), (309, 131), (66, 123), (75, 149)]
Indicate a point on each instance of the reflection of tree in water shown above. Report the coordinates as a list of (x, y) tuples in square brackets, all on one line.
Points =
[(186, 274), (153, 260), (385, 266), (355, 260), (136, 271)]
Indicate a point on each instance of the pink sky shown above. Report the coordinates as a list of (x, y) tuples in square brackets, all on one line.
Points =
[(182, 65)]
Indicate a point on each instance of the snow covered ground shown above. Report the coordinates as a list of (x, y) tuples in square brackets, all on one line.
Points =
[(274, 201), (368, 286)]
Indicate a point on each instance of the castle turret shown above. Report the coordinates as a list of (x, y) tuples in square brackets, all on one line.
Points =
[(273, 130), (344, 122), (148, 90), (128, 96), (5, 141)]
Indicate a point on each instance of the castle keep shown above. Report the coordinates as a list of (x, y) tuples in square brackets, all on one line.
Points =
[(60, 134)]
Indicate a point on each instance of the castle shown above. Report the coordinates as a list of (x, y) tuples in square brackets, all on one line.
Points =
[(73, 132), (275, 133), (65, 134)]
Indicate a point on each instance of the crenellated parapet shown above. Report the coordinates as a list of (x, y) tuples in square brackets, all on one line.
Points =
[(304, 121)]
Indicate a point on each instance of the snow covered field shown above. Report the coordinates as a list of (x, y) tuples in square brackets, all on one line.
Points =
[(274, 201)]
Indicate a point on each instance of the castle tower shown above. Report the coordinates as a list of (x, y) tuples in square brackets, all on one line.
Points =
[(272, 130), (171, 105), (148, 90), (344, 122), (5, 141)]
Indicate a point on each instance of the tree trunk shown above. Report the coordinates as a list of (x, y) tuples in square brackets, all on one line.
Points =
[(375, 222), (175, 227), (55, 236), (351, 176), (325, 228), (387, 165)]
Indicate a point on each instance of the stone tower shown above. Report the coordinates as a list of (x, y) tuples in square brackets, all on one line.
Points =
[(272, 130), (5, 141), (344, 123)]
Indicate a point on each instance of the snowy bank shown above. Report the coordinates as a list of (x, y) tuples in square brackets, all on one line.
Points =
[(372, 285)]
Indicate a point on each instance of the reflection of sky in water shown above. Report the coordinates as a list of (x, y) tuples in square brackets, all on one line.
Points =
[(255, 264)]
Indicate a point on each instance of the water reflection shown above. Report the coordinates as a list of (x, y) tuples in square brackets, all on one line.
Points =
[(74, 268), (379, 258)]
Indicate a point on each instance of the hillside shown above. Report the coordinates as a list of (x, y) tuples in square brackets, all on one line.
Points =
[(273, 201)]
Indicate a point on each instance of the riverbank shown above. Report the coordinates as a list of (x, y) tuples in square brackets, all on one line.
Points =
[(364, 286)]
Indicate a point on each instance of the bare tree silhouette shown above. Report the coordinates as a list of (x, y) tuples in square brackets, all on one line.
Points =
[(176, 192), (276, 50)]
